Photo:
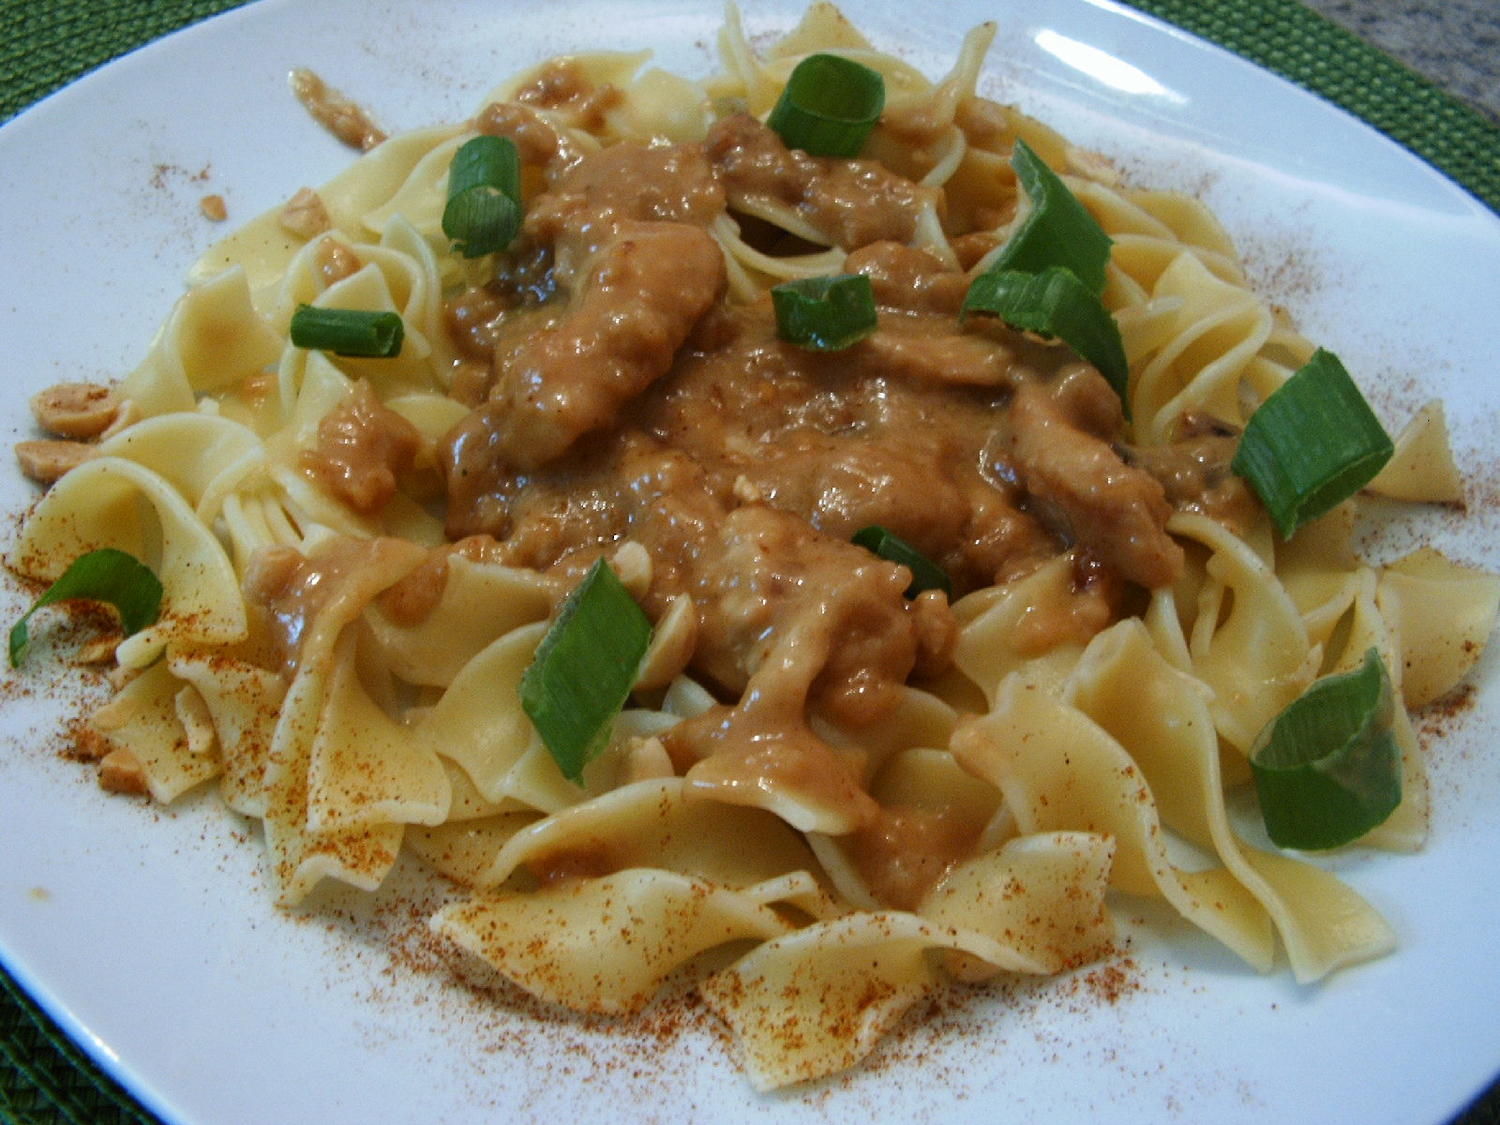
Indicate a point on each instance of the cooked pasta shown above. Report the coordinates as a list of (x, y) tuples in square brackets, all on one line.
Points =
[(847, 793)]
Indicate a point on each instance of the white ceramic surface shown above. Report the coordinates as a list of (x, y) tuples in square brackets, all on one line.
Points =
[(150, 934)]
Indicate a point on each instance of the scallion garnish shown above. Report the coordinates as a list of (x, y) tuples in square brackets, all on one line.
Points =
[(351, 332), (1055, 303), (829, 106), (483, 212), (584, 669), (1312, 444), (1327, 769), (824, 314), (1048, 276), (925, 574), (106, 575), (1058, 230)]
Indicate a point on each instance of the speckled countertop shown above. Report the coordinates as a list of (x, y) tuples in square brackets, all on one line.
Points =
[(1454, 43)]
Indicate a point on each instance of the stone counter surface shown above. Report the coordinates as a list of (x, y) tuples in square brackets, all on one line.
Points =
[(1453, 43)]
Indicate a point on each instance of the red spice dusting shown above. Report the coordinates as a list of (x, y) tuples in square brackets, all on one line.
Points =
[(1113, 981), (162, 174), (83, 743), (1437, 718)]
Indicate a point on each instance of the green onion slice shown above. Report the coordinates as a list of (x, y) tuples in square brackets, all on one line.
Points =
[(825, 314), (486, 161), (1328, 769), (829, 106), (483, 212), (1055, 303), (584, 669), (1312, 444), (106, 575), (1058, 230), (925, 574), (481, 221), (351, 332)]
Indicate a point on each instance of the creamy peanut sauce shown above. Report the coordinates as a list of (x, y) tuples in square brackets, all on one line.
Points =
[(362, 446), (289, 593), (618, 396)]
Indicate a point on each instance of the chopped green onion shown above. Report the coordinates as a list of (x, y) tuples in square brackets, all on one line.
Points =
[(925, 574), (481, 221), (825, 314), (351, 332), (1328, 769), (1055, 303), (486, 161), (1312, 444), (106, 575), (829, 106), (483, 212), (1049, 275), (1058, 230), (584, 669)]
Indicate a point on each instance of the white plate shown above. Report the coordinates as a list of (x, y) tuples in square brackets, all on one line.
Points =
[(150, 934)]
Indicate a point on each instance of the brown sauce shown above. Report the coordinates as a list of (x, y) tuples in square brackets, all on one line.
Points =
[(362, 447), (904, 852), (617, 395)]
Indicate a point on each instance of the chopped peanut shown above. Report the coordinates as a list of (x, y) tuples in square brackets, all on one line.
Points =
[(336, 261), (46, 461), (345, 119), (75, 410), (305, 215), (632, 563), (672, 644), (101, 651), (213, 208), (121, 772)]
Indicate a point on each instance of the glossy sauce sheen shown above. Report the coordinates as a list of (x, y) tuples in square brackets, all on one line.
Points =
[(618, 395)]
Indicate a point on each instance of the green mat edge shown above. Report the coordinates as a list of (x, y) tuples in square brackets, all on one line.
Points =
[(1315, 53), (44, 1077)]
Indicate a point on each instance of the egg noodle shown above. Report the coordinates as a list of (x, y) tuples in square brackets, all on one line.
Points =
[(830, 799)]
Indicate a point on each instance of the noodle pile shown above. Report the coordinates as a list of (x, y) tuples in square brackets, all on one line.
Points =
[(348, 676)]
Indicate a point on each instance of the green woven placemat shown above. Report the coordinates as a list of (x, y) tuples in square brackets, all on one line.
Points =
[(1318, 55), (44, 1078)]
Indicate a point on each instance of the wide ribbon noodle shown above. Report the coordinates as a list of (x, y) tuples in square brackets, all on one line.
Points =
[(822, 799)]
